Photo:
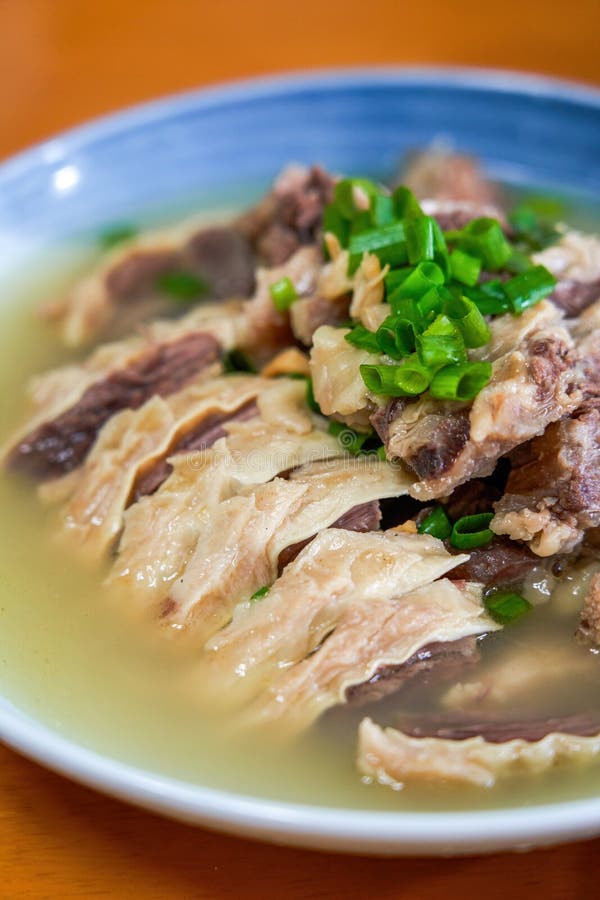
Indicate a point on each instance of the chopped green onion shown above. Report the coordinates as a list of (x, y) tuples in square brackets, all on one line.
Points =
[(464, 268), (362, 221), (406, 380), (381, 453), (461, 383), (260, 593), (310, 397), (430, 304), (182, 285), (350, 440), (387, 243), (235, 360), (405, 203), (363, 338), (469, 320), (518, 262), (437, 524), (472, 531), (395, 277), (117, 234), (396, 337), (532, 225), (407, 308), (489, 298), (422, 278), (506, 606), (485, 239), (420, 242), (529, 287), (335, 223), (283, 293), (382, 208), (344, 195), (441, 345)]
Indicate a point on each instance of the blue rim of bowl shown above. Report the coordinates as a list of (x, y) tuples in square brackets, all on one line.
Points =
[(284, 822)]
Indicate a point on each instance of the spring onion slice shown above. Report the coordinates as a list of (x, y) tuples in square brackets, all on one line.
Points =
[(382, 210), (406, 380), (363, 338), (335, 223), (430, 305), (235, 360), (506, 606), (350, 440), (423, 277), (436, 524), (395, 277), (420, 239), (462, 382), (441, 345), (464, 268), (485, 239), (469, 320), (182, 286), (283, 293), (405, 203), (387, 243), (310, 397), (260, 593), (396, 337), (529, 288), (472, 531), (489, 298), (345, 195)]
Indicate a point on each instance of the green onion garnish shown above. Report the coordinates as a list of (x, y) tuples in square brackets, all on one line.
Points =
[(387, 243), (489, 298), (350, 440), (441, 345), (395, 277), (382, 210), (335, 223), (464, 268), (344, 195), (484, 239), (420, 243), (235, 360), (529, 287), (310, 397), (461, 383), (407, 380), (423, 277), (506, 606), (117, 234), (469, 320), (260, 593), (405, 203), (182, 285), (363, 338), (472, 531), (283, 293), (437, 524), (396, 337), (430, 304)]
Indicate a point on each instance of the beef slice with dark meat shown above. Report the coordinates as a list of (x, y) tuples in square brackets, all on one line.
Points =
[(224, 259), (139, 271), (502, 562), (553, 490), (59, 446), (497, 731), (364, 517), (575, 296), (289, 216), (204, 435), (309, 313), (439, 660)]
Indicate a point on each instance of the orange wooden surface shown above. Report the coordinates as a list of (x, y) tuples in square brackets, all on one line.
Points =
[(63, 61)]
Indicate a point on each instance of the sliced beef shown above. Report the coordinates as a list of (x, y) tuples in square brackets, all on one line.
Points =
[(289, 216), (473, 497), (497, 731), (574, 296), (392, 757), (224, 259), (138, 272), (203, 436), (361, 518), (553, 491), (441, 659), (442, 175), (501, 563), (309, 313), (59, 446)]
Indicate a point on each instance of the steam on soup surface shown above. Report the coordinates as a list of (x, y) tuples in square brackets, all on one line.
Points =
[(307, 499)]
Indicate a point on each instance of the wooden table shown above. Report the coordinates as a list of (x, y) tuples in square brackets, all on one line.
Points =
[(63, 61)]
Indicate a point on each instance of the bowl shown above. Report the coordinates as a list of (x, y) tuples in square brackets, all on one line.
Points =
[(226, 143)]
